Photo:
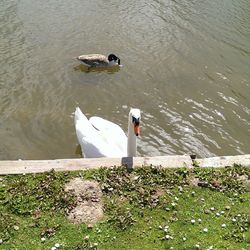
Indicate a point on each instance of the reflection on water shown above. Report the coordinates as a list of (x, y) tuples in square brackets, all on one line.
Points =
[(87, 69), (186, 66), (78, 150)]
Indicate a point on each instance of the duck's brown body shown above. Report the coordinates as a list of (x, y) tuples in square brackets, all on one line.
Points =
[(98, 60)]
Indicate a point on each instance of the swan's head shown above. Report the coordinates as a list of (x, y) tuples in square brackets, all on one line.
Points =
[(135, 119), (114, 58)]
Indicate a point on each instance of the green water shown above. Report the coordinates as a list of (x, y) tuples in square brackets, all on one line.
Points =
[(186, 65)]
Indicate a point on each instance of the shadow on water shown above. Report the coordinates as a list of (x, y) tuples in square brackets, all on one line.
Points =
[(78, 150), (86, 69)]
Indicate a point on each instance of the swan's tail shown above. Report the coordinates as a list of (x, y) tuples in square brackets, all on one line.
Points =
[(81, 121), (79, 115), (81, 126)]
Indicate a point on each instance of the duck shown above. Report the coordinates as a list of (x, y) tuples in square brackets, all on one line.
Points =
[(98, 60), (99, 137)]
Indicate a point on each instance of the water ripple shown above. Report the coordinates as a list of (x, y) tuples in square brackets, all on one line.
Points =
[(185, 65)]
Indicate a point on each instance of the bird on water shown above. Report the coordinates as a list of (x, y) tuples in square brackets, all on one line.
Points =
[(98, 60), (101, 138)]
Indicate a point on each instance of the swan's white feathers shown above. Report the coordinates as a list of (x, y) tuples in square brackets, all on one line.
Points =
[(135, 112), (112, 131), (105, 125), (99, 137)]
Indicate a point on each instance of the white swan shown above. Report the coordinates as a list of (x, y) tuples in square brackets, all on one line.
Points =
[(101, 138)]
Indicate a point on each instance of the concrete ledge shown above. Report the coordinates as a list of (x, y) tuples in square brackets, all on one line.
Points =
[(175, 161), (223, 161), (39, 166)]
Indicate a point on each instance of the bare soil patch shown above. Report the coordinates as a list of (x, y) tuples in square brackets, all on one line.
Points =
[(245, 179), (89, 207), (194, 181)]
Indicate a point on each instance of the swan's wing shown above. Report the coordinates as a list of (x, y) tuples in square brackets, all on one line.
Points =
[(103, 124), (112, 131), (94, 143), (84, 132)]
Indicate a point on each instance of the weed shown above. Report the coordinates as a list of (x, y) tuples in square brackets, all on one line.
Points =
[(119, 215), (241, 225), (7, 223), (136, 202)]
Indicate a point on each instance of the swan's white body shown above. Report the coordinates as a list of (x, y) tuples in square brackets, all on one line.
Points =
[(101, 138)]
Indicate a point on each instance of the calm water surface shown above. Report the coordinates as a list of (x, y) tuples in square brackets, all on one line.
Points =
[(186, 65)]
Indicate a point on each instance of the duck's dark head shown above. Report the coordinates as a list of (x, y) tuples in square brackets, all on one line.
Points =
[(113, 57)]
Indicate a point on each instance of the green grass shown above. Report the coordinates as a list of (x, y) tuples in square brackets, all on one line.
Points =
[(149, 208)]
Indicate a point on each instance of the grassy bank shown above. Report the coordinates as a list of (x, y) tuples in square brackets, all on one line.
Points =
[(149, 208)]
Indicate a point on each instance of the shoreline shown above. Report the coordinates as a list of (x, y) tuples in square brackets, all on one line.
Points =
[(173, 161)]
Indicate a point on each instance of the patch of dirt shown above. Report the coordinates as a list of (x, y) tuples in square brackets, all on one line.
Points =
[(194, 181), (89, 207), (245, 179)]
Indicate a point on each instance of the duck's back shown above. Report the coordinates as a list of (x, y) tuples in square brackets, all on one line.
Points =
[(94, 60)]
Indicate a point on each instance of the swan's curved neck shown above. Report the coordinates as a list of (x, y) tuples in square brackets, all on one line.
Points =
[(131, 146)]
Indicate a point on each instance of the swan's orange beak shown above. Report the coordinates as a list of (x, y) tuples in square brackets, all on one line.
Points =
[(137, 129)]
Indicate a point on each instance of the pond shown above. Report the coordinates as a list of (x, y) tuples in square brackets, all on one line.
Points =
[(186, 65)]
